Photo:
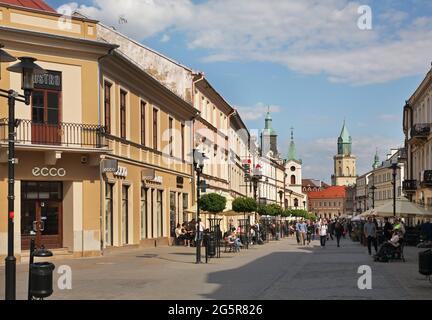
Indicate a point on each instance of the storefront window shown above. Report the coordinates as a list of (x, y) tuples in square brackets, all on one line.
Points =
[(109, 214), (159, 213), (185, 207), (173, 210), (144, 215), (125, 214)]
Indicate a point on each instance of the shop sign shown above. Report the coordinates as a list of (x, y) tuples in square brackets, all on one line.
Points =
[(49, 172), (148, 174), (109, 165), (51, 80), (180, 182), (121, 172)]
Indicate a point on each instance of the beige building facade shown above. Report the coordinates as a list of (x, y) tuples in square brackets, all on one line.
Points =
[(59, 137)]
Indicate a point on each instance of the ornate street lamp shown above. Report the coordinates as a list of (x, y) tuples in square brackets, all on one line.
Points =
[(28, 68), (198, 163), (394, 166)]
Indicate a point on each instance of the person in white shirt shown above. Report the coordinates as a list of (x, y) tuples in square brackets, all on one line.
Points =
[(323, 229)]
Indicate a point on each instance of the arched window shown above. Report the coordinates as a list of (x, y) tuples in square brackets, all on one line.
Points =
[(293, 179), (296, 202), (340, 172), (348, 171)]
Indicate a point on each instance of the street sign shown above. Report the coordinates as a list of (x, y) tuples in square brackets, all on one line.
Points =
[(247, 169)]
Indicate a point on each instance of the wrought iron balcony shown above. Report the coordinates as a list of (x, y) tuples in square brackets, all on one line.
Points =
[(62, 134), (409, 186), (426, 178), (420, 131)]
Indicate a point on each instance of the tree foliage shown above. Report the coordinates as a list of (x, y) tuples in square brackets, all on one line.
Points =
[(244, 205), (272, 210), (213, 203)]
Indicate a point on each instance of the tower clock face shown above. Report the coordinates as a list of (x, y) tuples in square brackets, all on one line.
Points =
[(293, 168)]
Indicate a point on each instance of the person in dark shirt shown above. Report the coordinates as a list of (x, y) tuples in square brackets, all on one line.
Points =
[(338, 230), (388, 228)]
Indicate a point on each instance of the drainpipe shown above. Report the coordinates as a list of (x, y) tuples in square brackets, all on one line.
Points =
[(101, 185)]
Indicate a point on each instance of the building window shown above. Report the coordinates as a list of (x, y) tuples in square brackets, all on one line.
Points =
[(144, 213), (159, 213), (125, 214), (171, 137), (155, 129), (109, 214), (107, 107), (293, 179), (143, 125), (123, 114)]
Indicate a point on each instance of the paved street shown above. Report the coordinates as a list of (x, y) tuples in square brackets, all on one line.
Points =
[(278, 270)]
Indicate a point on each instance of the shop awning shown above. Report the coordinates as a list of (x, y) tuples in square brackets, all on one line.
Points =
[(404, 208)]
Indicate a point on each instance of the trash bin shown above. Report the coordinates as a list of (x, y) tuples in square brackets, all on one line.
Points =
[(211, 245), (41, 283), (425, 263)]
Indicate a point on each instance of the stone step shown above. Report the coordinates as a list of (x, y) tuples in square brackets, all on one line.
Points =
[(58, 254)]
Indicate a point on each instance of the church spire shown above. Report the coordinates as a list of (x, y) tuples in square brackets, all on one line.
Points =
[(292, 153), (344, 141), (268, 122), (376, 160)]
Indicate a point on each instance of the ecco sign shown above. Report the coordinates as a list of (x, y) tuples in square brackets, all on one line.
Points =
[(48, 172)]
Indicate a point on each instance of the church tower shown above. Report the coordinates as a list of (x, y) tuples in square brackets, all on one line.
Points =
[(269, 138), (344, 162), (293, 167)]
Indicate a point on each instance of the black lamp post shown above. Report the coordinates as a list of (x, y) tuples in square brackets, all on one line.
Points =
[(373, 188), (198, 163), (304, 205), (394, 166), (27, 68)]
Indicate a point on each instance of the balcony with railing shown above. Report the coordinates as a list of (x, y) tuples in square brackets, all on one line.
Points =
[(420, 132), (65, 135), (409, 186), (426, 178)]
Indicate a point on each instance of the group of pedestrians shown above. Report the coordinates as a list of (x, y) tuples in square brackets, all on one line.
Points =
[(307, 231)]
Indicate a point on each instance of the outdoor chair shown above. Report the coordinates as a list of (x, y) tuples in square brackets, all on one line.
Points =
[(230, 245)]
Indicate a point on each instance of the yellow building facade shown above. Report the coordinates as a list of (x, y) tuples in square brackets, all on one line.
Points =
[(59, 138)]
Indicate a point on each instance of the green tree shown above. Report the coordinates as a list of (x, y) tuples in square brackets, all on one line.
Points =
[(274, 210), (213, 203), (245, 205)]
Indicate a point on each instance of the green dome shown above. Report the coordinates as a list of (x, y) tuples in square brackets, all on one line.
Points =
[(344, 141)]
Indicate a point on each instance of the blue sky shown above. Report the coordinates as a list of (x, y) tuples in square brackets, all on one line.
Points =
[(307, 59)]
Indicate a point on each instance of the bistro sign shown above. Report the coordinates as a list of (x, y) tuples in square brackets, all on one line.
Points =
[(51, 80), (149, 176)]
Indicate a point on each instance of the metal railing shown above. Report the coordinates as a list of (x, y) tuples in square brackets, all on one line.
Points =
[(420, 130), (409, 185), (62, 134)]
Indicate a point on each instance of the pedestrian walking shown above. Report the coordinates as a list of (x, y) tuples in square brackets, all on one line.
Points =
[(339, 229), (370, 232), (303, 232), (323, 232)]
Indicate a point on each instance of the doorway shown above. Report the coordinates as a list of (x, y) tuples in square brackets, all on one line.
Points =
[(41, 214)]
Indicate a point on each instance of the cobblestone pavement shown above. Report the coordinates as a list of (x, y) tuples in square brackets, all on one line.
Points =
[(277, 270)]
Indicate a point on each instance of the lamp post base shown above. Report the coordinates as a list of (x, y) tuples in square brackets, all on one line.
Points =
[(10, 274)]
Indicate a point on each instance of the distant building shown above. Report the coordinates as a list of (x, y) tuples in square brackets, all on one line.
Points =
[(329, 203), (313, 185)]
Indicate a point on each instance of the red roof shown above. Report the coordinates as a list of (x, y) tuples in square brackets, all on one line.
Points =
[(32, 4), (328, 193)]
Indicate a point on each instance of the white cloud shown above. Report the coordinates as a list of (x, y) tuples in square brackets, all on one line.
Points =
[(165, 38), (390, 117), (307, 36), (257, 111)]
